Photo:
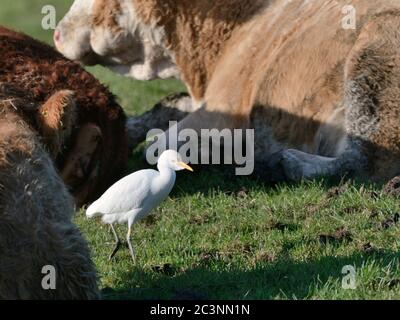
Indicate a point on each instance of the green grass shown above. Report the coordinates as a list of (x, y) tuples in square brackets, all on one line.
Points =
[(208, 242), (224, 237)]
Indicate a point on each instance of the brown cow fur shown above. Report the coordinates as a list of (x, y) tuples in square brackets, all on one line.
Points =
[(197, 32), (56, 119), (38, 72), (210, 39), (35, 220), (324, 98)]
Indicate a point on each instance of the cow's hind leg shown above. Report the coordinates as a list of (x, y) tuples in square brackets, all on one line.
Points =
[(372, 102), (298, 165)]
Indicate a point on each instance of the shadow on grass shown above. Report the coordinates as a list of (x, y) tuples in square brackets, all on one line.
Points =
[(282, 279), (207, 179)]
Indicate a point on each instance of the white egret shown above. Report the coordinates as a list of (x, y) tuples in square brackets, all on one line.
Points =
[(135, 196)]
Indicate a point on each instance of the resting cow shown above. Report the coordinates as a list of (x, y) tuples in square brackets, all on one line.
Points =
[(83, 129), (36, 231), (322, 96)]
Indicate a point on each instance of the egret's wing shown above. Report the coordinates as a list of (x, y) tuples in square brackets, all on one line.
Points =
[(127, 194)]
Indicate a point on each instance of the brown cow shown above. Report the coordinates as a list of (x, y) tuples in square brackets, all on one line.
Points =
[(323, 96), (83, 130), (36, 210)]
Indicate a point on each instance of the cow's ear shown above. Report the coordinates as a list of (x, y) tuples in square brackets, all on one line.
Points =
[(56, 119)]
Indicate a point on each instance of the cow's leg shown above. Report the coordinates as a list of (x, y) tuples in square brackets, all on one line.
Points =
[(298, 165), (198, 133), (372, 101), (172, 108)]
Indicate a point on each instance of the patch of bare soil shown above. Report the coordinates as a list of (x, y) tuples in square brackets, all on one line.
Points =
[(368, 248), (165, 269), (264, 256), (392, 188), (339, 235), (280, 226), (390, 222), (337, 191)]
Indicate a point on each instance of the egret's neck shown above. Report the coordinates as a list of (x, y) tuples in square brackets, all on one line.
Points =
[(166, 173)]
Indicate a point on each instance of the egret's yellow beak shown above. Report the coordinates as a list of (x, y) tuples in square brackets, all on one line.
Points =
[(185, 166)]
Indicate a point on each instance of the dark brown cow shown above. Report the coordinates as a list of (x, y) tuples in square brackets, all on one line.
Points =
[(83, 128)]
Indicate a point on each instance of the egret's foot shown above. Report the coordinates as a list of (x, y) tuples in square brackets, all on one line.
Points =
[(128, 240), (109, 243), (117, 243), (123, 244), (116, 249), (132, 251)]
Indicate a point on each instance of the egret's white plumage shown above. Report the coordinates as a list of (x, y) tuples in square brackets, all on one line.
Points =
[(136, 195)]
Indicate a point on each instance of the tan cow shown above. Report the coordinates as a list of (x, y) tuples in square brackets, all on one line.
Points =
[(323, 96)]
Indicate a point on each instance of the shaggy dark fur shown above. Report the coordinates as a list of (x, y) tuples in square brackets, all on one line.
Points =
[(35, 220), (94, 154)]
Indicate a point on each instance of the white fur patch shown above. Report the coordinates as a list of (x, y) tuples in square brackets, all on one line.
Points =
[(75, 30)]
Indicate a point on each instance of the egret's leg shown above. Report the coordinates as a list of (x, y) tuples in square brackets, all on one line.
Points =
[(128, 239), (117, 243)]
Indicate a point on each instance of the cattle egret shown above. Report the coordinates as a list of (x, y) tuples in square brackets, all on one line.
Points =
[(135, 196)]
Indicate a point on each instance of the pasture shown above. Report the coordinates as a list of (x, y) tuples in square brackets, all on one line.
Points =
[(219, 236)]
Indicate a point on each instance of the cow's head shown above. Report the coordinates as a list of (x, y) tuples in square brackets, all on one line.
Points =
[(109, 32)]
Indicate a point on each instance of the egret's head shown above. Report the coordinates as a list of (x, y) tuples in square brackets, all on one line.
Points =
[(172, 160)]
